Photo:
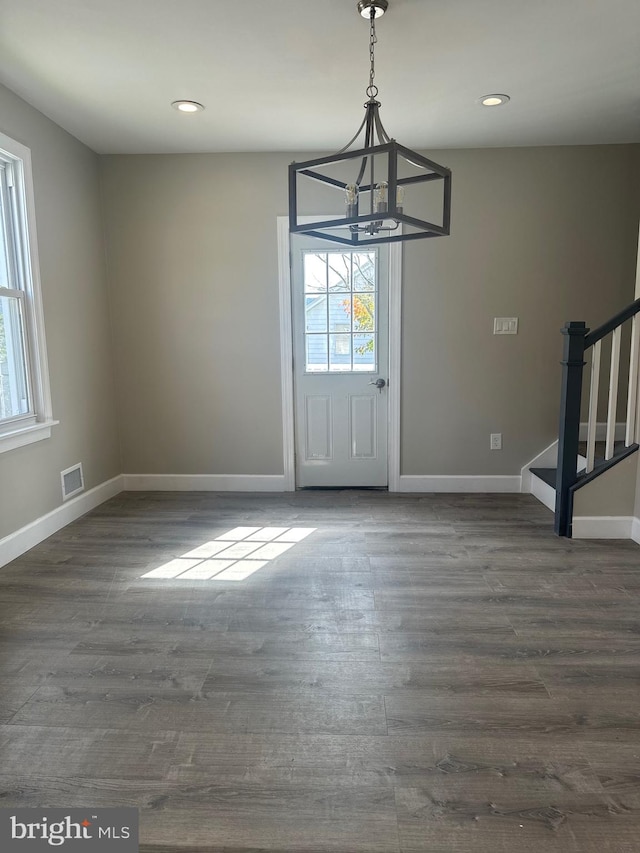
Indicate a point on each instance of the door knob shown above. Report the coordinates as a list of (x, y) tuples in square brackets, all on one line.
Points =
[(379, 383)]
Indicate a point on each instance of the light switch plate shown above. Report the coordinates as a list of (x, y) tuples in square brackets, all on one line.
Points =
[(505, 325)]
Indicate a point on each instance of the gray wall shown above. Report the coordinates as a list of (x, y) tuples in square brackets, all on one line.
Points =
[(72, 269), (546, 234), (193, 273), (610, 494)]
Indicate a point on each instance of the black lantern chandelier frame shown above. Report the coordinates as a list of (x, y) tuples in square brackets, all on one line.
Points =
[(383, 216)]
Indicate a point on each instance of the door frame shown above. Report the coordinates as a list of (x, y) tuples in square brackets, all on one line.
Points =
[(286, 355)]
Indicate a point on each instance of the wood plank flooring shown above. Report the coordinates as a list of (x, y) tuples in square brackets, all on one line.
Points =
[(421, 673)]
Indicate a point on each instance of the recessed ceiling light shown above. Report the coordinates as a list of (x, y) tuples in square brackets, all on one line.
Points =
[(494, 100), (187, 106)]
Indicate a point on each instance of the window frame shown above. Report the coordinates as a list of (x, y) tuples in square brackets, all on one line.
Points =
[(24, 268)]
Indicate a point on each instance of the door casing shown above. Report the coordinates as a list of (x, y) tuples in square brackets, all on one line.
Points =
[(286, 355)]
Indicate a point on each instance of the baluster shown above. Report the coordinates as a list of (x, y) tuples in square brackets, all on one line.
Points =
[(593, 406), (613, 393), (632, 396)]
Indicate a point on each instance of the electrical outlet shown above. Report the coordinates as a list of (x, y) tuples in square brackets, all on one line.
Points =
[(495, 442)]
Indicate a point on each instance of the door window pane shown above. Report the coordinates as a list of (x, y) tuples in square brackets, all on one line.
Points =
[(364, 352), (364, 271), (315, 308), (339, 270), (317, 354), (340, 353), (315, 272), (364, 312), (339, 313)]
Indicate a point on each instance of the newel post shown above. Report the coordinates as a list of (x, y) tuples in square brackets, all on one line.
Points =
[(569, 429)]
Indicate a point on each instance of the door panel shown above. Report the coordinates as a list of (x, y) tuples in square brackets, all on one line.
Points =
[(340, 327), (362, 425), (318, 428)]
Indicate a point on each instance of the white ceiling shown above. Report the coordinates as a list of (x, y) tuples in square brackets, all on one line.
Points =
[(290, 75)]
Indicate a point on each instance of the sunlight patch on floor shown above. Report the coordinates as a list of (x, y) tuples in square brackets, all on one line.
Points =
[(232, 556)]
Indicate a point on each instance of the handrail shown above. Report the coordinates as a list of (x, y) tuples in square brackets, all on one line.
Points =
[(577, 339), (620, 318)]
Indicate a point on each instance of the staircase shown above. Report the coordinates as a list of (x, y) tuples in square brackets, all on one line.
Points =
[(579, 463)]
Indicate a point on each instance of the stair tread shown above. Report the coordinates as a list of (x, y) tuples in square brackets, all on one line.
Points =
[(548, 475)]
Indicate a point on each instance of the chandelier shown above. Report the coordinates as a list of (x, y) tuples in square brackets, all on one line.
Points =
[(390, 192)]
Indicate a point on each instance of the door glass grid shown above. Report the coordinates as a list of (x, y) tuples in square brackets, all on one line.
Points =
[(340, 305)]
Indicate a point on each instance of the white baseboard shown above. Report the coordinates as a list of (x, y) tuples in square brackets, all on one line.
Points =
[(481, 483), (32, 534), (603, 527), (635, 530), (204, 482)]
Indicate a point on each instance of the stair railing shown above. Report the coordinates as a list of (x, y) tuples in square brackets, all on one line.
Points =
[(578, 339)]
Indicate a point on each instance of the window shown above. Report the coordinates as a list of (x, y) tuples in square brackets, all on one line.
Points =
[(25, 406), (340, 304)]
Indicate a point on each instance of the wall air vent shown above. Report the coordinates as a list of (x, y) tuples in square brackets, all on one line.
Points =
[(72, 481)]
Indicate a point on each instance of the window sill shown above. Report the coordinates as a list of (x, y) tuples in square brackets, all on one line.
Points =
[(25, 435)]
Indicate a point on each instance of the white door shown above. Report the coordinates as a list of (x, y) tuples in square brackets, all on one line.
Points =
[(341, 353)]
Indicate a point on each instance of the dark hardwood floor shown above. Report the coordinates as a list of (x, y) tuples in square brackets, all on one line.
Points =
[(420, 673)]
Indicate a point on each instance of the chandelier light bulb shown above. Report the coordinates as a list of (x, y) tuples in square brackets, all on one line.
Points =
[(351, 192), (400, 198), (381, 196)]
